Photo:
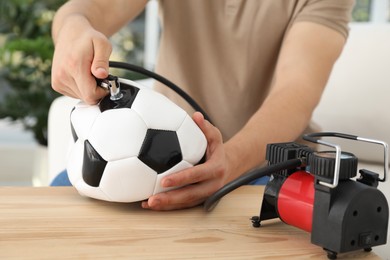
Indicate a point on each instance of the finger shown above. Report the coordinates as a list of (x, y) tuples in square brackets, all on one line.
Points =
[(198, 118), (203, 124), (69, 93), (61, 81), (90, 93), (102, 52), (212, 168), (209, 130), (185, 197), (65, 88), (195, 174)]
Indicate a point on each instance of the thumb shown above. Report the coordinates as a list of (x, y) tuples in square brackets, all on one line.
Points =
[(200, 121), (198, 118), (102, 51)]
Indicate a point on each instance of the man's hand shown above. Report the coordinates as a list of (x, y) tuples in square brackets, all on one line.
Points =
[(82, 53), (200, 181), (80, 32)]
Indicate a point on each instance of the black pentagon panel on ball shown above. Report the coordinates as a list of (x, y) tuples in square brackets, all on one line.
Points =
[(129, 94), (160, 150), (93, 165)]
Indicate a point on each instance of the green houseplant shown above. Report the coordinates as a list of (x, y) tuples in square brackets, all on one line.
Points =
[(25, 63)]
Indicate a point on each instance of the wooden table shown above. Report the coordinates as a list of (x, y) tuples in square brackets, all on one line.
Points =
[(57, 223)]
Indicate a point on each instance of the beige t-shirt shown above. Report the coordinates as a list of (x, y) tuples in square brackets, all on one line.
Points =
[(223, 52)]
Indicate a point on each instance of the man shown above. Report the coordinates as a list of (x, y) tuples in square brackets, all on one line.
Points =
[(257, 67)]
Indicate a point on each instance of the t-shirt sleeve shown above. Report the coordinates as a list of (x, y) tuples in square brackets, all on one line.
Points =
[(335, 14)]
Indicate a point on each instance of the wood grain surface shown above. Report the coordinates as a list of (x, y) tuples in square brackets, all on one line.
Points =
[(58, 223)]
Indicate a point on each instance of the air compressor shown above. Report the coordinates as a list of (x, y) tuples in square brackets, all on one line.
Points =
[(320, 192)]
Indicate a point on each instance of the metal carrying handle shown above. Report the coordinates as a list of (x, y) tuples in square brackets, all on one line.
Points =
[(313, 138)]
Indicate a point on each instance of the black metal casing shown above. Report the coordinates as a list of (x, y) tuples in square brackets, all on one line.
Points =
[(349, 217)]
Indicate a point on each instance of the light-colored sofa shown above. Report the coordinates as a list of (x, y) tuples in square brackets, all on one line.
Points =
[(357, 97)]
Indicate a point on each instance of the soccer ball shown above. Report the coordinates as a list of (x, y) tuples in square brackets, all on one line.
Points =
[(122, 149)]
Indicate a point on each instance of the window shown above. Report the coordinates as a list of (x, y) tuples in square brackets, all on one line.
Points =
[(361, 11), (371, 11), (137, 43)]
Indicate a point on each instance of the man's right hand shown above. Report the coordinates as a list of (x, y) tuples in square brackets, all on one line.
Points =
[(80, 31), (81, 53)]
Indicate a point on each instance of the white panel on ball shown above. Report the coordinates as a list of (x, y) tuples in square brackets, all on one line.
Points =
[(128, 180), (83, 118), (89, 191), (115, 141), (75, 162), (158, 111), (178, 167), (192, 141)]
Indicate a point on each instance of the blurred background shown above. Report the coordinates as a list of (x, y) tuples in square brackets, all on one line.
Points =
[(26, 51)]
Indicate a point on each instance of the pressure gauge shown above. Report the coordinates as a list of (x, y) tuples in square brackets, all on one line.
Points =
[(322, 164)]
